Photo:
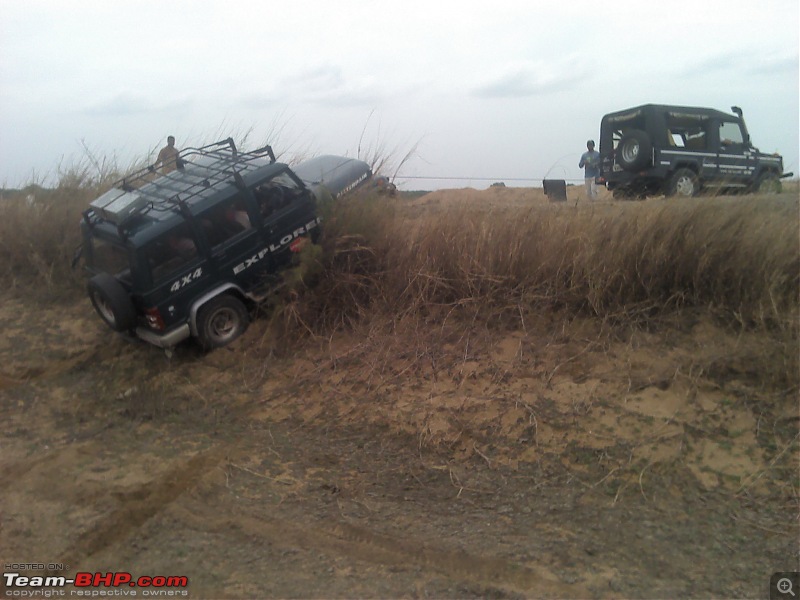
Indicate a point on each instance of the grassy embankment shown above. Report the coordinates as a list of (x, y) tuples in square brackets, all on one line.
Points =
[(737, 258)]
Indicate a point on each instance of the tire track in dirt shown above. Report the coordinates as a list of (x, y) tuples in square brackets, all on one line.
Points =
[(220, 515), (344, 539), (141, 505), (52, 368), (11, 381), (12, 473)]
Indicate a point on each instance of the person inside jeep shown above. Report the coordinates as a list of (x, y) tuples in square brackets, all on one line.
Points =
[(272, 197), (238, 218), (181, 246)]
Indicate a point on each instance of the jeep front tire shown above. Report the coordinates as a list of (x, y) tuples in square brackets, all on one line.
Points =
[(684, 183), (112, 302), (220, 321), (768, 184), (634, 150)]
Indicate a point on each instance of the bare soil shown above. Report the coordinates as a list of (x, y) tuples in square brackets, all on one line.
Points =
[(558, 457)]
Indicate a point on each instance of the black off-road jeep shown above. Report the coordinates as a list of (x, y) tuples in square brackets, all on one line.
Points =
[(187, 253), (679, 150)]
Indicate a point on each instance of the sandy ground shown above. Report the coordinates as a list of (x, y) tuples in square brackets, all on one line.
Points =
[(555, 459)]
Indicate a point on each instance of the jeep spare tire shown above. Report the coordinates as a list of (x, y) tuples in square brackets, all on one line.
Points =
[(112, 302), (634, 150)]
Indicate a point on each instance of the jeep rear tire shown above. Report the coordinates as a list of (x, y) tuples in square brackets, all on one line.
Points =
[(220, 321), (634, 150), (112, 302), (684, 183)]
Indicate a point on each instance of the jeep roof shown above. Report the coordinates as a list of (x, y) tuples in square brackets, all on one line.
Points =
[(656, 116)]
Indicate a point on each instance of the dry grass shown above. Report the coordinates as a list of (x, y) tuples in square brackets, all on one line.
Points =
[(40, 227), (630, 265), (737, 257), (38, 239)]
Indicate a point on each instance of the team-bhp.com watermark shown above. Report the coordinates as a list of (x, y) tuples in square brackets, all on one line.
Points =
[(18, 584)]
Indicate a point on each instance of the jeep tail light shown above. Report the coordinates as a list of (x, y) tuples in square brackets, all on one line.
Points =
[(154, 319), (298, 244)]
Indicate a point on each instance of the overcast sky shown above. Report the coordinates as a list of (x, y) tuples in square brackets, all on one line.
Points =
[(499, 90)]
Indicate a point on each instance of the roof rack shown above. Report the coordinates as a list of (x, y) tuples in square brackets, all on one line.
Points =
[(198, 172)]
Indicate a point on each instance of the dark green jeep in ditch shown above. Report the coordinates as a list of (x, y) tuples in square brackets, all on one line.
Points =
[(189, 252)]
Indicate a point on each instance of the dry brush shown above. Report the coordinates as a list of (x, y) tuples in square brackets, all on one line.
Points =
[(737, 257)]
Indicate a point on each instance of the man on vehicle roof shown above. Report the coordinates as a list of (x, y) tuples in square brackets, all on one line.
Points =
[(168, 156)]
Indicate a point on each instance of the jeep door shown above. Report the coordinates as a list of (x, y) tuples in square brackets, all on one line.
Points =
[(734, 157), (176, 272), (288, 211), (233, 240), (690, 144)]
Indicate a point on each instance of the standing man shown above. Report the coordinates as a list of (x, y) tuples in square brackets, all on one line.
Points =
[(168, 156), (590, 162)]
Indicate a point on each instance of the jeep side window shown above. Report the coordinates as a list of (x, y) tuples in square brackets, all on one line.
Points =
[(686, 130), (616, 136), (676, 139), (696, 139), (270, 198), (170, 252), (226, 221), (276, 195), (730, 134)]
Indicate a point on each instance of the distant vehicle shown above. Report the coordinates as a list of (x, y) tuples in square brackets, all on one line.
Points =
[(188, 253), (680, 150)]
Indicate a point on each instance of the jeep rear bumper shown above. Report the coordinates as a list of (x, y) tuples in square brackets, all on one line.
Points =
[(624, 179), (165, 340)]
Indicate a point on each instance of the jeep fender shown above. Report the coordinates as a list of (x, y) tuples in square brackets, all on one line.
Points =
[(765, 171), (691, 165), (208, 296)]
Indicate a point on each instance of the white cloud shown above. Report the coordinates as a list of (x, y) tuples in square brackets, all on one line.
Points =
[(130, 103), (743, 60), (532, 78), (323, 85), (775, 64)]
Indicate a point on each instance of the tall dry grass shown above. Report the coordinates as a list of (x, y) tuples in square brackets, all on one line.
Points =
[(39, 228), (737, 257)]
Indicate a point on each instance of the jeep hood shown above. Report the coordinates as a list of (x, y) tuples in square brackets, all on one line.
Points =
[(338, 174)]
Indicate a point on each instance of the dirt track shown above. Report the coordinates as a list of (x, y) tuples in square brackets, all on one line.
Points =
[(554, 460)]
